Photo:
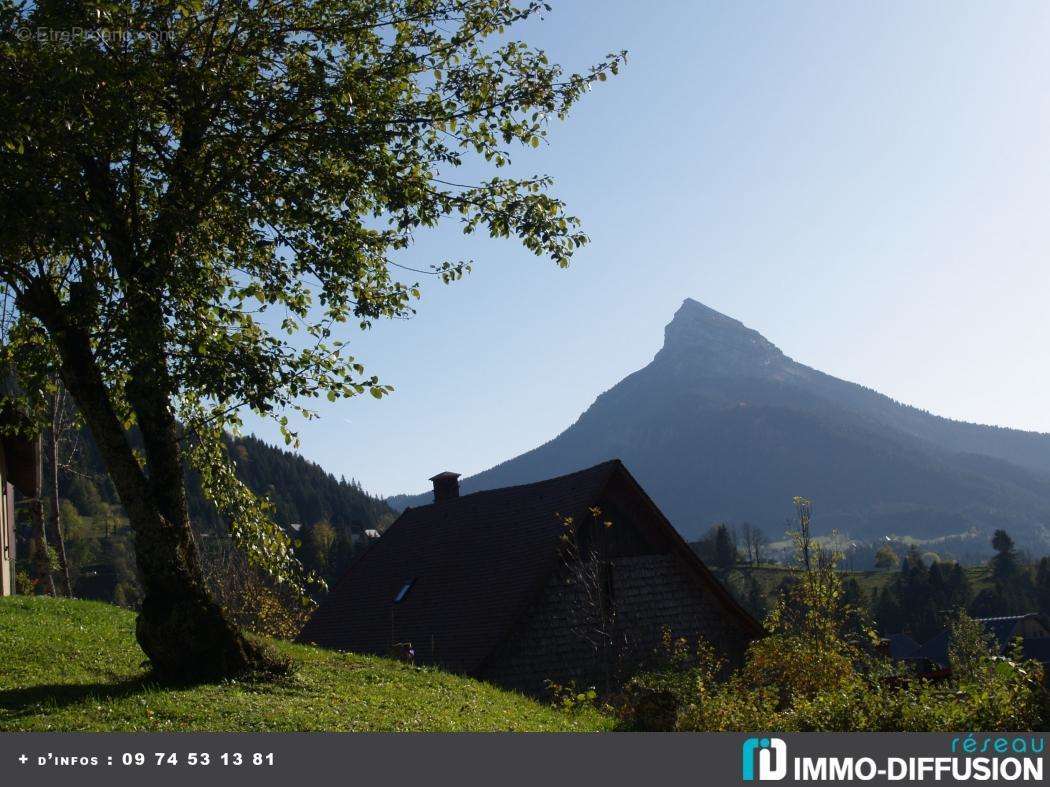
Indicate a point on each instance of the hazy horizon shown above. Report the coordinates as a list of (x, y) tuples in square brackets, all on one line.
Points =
[(866, 187)]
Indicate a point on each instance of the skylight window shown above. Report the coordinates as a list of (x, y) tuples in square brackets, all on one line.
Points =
[(404, 591)]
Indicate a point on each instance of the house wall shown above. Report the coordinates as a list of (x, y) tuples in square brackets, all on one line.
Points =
[(649, 592), (7, 534)]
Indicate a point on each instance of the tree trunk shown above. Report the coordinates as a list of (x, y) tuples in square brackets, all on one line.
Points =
[(42, 558), (183, 632), (179, 622), (56, 522)]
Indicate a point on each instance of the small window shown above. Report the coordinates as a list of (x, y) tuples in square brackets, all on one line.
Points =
[(404, 591)]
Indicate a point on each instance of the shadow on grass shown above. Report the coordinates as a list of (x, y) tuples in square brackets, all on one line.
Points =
[(31, 700)]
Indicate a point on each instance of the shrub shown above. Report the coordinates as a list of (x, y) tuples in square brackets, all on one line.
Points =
[(971, 648), (25, 585), (816, 672), (252, 599), (788, 686)]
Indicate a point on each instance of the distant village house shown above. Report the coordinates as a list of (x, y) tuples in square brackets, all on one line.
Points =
[(498, 586), (931, 659)]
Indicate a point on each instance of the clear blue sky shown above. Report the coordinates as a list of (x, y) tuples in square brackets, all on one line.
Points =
[(867, 184)]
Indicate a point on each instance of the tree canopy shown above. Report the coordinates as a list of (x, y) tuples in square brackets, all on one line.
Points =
[(170, 172)]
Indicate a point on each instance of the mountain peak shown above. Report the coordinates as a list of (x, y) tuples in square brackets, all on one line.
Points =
[(722, 345), (692, 311), (723, 426)]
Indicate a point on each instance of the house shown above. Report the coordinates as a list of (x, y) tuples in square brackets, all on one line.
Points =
[(1032, 629), (898, 646), (498, 586), (19, 470)]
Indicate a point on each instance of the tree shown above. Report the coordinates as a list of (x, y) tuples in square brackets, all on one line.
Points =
[(60, 441), (42, 552), (971, 648), (1004, 564), (855, 607), (759, 542), (918, 597), (804, 510), (886, 558), (754, 542), (318, 540), (585, 552), (228, 159), (725, 554), (1013, 591), (959, 589), (1002, 541), (744, 531)]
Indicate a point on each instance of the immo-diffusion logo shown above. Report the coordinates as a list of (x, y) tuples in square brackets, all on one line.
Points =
[(973, 758), (771, 754)]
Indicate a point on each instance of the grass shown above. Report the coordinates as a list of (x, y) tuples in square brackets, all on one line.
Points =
[(75, 666), (769, 577)]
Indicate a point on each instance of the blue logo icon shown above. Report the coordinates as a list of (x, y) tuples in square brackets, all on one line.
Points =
[(770, 767)]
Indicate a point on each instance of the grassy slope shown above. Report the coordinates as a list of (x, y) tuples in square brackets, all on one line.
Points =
[(74, 665), (769, 577)]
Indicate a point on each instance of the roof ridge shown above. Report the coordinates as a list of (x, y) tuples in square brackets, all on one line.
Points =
[(553, 480)]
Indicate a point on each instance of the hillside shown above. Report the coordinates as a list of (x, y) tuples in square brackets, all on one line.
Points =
[(770, 577), (99, 541), (302, 492), (74, 666), (721, 425)]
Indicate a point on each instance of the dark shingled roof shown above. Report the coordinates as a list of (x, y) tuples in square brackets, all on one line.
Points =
[(474, 564), (935, 649), (902, 646)]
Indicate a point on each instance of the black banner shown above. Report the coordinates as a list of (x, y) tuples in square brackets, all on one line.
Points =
[(536, 760)]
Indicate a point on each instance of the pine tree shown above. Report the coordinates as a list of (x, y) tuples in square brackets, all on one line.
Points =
[(725, 551)]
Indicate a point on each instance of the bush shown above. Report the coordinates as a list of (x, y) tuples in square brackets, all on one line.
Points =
[(815, 672), (252, 599), (789, 685), (25, 585)]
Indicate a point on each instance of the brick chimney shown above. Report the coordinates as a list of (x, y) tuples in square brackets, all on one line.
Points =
[(446, 486)]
